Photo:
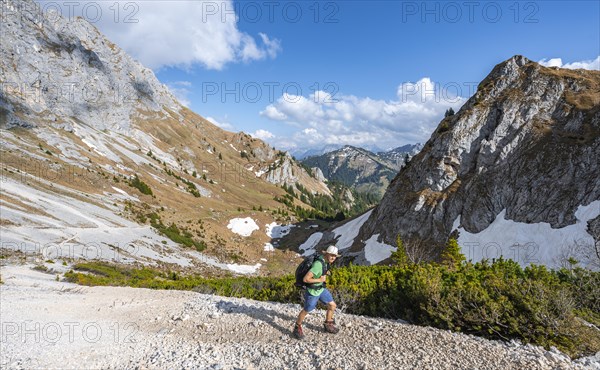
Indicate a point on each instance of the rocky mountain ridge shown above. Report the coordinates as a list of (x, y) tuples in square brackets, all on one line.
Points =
[(525, 144), (514, 173)]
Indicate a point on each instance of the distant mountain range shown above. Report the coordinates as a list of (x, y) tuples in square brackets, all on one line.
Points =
[(301, 154), (304, 153), (362, 169)]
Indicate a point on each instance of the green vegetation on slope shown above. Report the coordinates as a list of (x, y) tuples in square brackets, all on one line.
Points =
[(140, 185), (334, 208)]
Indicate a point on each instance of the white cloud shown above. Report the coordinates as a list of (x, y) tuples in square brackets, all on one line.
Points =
[(272, 46), (554, 62), (181, 90), (263, 134), (584, 64), (324, 119), (273, 113), (181, 33), (224, 125), (251, 51)]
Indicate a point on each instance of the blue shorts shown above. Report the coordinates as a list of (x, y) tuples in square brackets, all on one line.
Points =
[(310, 301)]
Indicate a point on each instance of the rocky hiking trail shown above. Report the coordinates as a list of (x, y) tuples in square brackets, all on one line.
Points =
[(51, 324)]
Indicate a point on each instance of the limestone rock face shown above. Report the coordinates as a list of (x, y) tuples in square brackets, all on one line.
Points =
[(318, 174), (527, 142), (286, 170), (61, 68)]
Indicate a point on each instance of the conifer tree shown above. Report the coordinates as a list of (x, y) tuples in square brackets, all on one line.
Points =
[(452, 256), (399, 256)]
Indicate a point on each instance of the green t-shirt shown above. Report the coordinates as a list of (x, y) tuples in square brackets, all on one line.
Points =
[(317, 270)]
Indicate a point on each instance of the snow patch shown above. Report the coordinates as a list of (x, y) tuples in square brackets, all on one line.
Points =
[(244, 269), (526, 243), (240, 269), (348, 232), (308, 247), (375, 251), (242, 226), (269, 247), (276, 231)]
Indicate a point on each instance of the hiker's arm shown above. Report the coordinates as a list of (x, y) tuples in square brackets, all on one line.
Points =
[(309, 278)]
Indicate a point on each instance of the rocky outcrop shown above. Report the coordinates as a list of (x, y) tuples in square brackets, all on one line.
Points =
[(594, 230), (318, 174), (57, 69), (286, 171), (527, 142)]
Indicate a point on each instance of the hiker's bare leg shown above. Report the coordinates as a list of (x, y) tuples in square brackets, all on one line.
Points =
[(301, 317), (330, 308)]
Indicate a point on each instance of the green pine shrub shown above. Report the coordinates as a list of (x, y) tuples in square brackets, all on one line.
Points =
[(140, 185), (452, 256)]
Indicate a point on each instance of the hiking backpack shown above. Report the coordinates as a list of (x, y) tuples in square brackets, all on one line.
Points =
[(304, 267)]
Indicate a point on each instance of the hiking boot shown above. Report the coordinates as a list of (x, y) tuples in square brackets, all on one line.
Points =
[(330, 327), (298, 333)]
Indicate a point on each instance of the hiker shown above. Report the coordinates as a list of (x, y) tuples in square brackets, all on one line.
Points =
[(316, 291)]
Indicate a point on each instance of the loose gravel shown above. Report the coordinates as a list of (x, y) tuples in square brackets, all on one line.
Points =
[(57, 325)]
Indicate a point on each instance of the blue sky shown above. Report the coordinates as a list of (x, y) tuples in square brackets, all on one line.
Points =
[(303, 74)]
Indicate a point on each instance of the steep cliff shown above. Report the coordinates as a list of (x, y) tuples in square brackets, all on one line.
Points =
[(523, 150)]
